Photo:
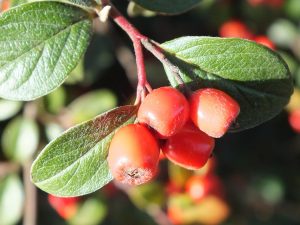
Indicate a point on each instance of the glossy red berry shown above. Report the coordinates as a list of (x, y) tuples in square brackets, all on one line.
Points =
[(235, 28), (264, 40), (213, 111), (189, 148), (294, 120), (165, 109), (65, 207), (133, 155)]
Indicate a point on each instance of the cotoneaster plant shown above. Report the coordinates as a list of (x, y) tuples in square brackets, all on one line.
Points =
[(39, 51)]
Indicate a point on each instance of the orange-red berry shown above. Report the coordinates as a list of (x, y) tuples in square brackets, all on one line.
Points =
[(235, 28), (133, 155), (189, 148), (264, 40), (165, 109), (213, 111), (65, 207), (294, 120)]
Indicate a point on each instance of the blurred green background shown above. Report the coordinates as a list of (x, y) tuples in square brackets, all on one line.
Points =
[(258, 168)]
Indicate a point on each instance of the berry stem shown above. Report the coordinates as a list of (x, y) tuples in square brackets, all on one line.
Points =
[(155, 49), (140, 40)]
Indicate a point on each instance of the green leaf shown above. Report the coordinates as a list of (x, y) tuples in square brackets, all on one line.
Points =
[(91, 212), (56, 100), (9, 108), (91, 104), (53, 130), (77, 75), (39, 50), (20, 139), (254, 75), (11, 200), (167, 6), (75, 163), (147, 195), (178, 175)]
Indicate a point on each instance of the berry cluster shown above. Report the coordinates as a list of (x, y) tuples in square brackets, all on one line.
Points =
[(202, 191), (186, 130)]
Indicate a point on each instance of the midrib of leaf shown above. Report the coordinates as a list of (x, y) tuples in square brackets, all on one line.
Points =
[(232, 82), (223, 55)]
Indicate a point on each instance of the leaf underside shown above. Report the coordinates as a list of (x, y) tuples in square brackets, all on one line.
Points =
[(254, 75), (41, 43), (75, 163)]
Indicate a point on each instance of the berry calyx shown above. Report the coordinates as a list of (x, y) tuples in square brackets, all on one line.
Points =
[(133, 155), (235, 28), (213, 111), (65, 207), (165, 109), (189, 148)]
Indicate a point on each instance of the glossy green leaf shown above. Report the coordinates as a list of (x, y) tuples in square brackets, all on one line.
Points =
[(91, 104), (254, 75), (75, 163), (39, 50), (11, 200), (9, 108), (167, 6), (20, 139)]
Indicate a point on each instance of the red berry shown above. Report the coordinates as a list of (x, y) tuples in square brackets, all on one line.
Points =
[(255, 2), (175, 215), (235, 28), (133, 155), (198, 187), (189, 148), (172, 188), (5, 5), (165, 109), (65, 207), (213, 111), (275, 3), (272, 3), (264, 40), (294, 120)]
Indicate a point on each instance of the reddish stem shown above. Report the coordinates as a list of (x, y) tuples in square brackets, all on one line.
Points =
[(140, 40), (136, 38)]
